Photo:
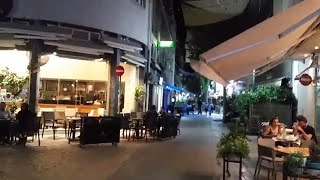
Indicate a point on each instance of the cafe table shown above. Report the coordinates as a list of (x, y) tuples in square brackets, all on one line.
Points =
[(290, 150)]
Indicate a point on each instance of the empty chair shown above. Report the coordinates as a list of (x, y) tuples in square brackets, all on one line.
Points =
[(267, 159), (61, 119), (48, 120)]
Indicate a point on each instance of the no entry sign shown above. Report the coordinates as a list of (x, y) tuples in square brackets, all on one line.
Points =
[(305, 79), (119, 71)]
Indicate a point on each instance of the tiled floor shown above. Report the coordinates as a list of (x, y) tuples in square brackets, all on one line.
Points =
[(191, 156)]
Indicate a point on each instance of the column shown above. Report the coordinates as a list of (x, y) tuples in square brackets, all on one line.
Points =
[(114, 86), (147, 74), (34, 79), (224, 104)]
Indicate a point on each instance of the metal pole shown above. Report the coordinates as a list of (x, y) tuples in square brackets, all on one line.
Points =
[(224, 103), (253, 79), (119, 96)]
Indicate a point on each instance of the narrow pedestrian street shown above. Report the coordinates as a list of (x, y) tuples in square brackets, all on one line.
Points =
[(191, 156)]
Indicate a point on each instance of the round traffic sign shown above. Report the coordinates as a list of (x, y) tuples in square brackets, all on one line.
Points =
[(305, 79), (119, 71)]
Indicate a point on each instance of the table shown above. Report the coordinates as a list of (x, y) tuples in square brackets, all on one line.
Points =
[(290, 150)]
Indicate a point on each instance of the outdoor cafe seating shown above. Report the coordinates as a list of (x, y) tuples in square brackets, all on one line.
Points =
[(87, 129), (155, 127), (10, 130), (273, 150)]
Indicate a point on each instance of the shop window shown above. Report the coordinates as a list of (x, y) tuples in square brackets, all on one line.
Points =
[(73, 92)]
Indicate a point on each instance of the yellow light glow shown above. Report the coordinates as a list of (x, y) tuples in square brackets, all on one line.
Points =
[(317, 47)]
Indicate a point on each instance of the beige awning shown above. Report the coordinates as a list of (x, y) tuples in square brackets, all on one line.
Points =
[(203, 69), (261, 45)]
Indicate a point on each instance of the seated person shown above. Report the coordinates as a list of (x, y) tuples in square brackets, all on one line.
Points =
[(4, 114), (304, 130), (273, 129), (151, 115), (162, 112), (27, 122)]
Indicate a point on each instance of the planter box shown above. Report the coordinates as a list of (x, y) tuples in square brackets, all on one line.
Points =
[(265, 112)]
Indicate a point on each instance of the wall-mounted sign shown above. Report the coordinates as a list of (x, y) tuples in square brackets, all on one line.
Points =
[(165, 44), (305, 79), (119, 71)]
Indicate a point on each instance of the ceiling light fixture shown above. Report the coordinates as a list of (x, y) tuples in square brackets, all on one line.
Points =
[(317, 47), (54, 53), (306, 55)]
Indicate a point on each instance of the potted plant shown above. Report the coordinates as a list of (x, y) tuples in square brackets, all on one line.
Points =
[(293, 163), (13, 107), (233, 145), (138, 96), (313, 161)]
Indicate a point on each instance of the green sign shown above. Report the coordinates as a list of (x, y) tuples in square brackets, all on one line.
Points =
[(166, 44)]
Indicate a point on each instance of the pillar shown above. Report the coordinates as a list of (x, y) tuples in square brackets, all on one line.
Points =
[(224, 103), (147, 76), (34, 79), (114, 86)]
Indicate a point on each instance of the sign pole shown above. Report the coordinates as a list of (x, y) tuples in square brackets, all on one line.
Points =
[(119, 96), (119, 72)]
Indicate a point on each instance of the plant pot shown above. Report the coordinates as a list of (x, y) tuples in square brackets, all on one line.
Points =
[(294, 171)]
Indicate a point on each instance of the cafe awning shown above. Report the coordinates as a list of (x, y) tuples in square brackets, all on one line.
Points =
[(261, 45)]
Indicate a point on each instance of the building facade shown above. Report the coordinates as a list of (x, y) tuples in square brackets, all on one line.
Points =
[(162, 58), (70, 50)]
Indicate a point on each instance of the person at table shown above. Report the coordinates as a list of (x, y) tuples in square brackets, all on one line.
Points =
[(301, 127), (4, 114), (26, 122), (273, 129), (151, 113), (162, 112)]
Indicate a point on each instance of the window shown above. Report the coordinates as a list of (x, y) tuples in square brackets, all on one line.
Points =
[(62, 91), (142, 3)]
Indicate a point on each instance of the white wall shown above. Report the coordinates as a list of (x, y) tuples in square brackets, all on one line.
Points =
[(65, 68), (119, 16), (304, 94)]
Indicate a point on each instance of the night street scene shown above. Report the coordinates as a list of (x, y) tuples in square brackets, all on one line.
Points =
[(159, 89)]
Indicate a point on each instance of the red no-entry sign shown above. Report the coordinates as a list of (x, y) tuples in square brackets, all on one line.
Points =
[(305, 79), (119, 71)]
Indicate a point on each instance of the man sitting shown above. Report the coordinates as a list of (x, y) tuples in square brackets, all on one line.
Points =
[(27, 122), (307, 132)]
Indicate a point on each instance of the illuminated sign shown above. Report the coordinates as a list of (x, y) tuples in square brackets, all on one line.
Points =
[(166, 44)]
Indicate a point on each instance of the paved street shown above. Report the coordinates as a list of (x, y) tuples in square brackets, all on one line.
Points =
[(191, 156)]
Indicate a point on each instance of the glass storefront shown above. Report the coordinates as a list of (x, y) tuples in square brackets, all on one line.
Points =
[(66, 82), (56, 91)]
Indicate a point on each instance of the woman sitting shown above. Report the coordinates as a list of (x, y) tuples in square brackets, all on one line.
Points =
[(273, 129)]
